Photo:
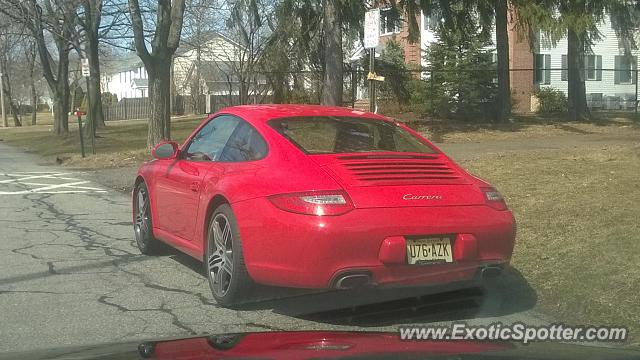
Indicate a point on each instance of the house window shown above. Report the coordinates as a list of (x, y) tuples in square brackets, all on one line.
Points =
[(542, 68), (430, 21), (625, 67), (593, 67), (590, 67), (388, 24)]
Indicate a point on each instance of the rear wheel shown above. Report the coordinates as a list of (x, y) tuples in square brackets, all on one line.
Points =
[(142, 225), (224, 262)]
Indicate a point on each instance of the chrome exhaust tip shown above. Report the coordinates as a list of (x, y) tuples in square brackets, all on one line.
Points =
[(490, 273), (352, 280)]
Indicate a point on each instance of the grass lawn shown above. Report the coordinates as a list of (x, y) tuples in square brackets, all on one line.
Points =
[(577, 205), (121, 143), (578, 241)]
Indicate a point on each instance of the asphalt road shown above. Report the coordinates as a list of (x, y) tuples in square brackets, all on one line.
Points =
[(70, 274)]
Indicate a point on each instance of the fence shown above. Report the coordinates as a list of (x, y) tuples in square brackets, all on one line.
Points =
[(470, 94), (126, 109)]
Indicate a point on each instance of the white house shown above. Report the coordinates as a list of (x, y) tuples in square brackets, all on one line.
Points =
[(218, 49), (218, 67), (610, 76), (126, 77)]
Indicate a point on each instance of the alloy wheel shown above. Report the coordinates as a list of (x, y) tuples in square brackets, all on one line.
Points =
[(142, 218), (220, 257)]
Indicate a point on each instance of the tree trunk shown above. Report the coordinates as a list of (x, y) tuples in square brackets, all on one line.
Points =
[(34, 103), (61, 116), (577, 92), (502, 47), (332, 26), (243, 91), (198, 84), (8, 96), (95, 114), (159, 96), (61, 90), (31, 57), (15, 111), (278, 83)]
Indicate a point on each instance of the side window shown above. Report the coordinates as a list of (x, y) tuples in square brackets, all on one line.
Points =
[(245, 144), (208, 143)]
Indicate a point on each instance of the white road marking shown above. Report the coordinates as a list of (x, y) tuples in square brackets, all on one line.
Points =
[(77, 187), (27, 177), (61, 184)]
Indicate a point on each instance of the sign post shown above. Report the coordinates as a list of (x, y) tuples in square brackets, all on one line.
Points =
[(371, 41), (79, 114), (86, 72)]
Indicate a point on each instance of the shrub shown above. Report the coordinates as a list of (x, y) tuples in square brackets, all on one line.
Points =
[(551, 101), (461, 80)]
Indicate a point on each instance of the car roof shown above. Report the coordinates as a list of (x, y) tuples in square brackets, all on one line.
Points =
[(266, 112)]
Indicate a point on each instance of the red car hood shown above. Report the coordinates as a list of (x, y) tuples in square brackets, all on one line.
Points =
[(325, 345), (393, 180), (314, 345)]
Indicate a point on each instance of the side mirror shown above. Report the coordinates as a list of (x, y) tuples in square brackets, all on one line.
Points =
[(165, 150)]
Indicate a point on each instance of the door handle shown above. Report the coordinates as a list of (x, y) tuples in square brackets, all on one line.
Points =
[(194, 186)]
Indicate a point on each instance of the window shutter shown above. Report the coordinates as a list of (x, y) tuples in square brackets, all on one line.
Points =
[(586, 67), (616, 77), (599, 68), (634, 63), (547, 66), (564, 75)]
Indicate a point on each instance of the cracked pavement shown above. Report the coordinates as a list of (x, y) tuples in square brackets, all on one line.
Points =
[(71, 275)]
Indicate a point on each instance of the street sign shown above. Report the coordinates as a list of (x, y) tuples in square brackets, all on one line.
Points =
[(372, 28), (85, 68)]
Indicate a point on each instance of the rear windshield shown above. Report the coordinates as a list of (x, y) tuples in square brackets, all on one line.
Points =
[(335, 135)]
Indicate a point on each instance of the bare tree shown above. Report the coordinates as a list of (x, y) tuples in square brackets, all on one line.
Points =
[(165, 41), (203, 22), (10, 40), (55, 19), (248, 31), (90, 24)]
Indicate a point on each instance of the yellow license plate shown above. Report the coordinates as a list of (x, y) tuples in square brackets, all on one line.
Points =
[(429, 250)]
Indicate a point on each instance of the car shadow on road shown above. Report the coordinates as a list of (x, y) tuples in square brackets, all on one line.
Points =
[(384, 307), (372, 307)]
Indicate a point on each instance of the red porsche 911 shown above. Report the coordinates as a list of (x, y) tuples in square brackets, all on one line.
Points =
[(318, 197)]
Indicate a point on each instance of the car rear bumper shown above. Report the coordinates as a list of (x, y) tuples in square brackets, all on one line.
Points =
[(287, 249)]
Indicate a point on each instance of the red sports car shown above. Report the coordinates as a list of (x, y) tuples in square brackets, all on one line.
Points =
[(318, 197)]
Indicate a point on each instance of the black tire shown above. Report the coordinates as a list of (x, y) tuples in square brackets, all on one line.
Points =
[(230, 283), (142, 223)]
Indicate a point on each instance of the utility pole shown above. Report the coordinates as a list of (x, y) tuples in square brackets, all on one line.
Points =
[(4, 114)]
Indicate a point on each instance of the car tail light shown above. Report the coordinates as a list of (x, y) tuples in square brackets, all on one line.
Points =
[(494, 199), (320, 203)]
